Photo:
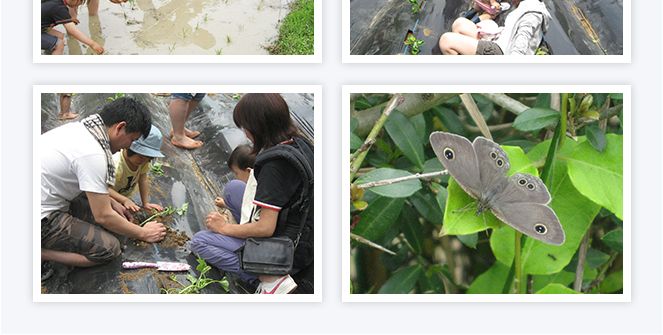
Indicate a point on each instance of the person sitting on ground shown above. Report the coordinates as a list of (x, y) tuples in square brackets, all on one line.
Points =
[(181, 106), (65, 106), (241, 162), (55, 12), (265, 119), (131, 168), (76, 171), (523, 31)]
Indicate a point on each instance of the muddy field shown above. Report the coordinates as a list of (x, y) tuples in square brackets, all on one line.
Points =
[(181, 27)]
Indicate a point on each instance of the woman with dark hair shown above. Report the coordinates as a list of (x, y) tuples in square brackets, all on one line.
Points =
[(277, 209)]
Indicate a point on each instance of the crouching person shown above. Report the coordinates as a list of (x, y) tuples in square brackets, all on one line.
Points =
[(77, 213)]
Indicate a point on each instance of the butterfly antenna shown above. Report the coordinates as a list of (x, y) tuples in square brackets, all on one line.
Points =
[(485, 225), (464, 209)]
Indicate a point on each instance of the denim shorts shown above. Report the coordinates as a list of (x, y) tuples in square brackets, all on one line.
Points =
[(188, 96), (48, 42)]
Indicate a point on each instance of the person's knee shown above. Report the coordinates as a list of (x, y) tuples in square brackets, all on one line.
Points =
[(444, 42), (460, 23), (110, 250)]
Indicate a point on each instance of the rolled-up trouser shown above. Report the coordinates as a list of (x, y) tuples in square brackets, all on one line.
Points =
[(219, 250)]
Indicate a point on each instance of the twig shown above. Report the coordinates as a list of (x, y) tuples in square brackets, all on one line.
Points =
[(357, 158), (476, 115), (402, 179), (371, 244), (582, 256), (490, 128)]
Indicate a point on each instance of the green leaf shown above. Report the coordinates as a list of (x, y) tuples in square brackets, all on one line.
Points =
[(595, 258), (556, 289), (491, 281), (431, 283), (412, 229), (564, 278), (599, 176), (615, 240), (596, 137), (535, 119), (575, 213), (395, 190), (355, 142), (470, 240), (450, 120), (612, 283), (427, 204), (403, 281), (354, 123), (464, 223), (378, 217), (404, 135)]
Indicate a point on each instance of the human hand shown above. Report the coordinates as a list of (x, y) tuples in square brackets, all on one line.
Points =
[(119, 208), (130, 205), (76, 21), (216, 222), (220, 203), (97, 48), (153, 206), (153, 232)]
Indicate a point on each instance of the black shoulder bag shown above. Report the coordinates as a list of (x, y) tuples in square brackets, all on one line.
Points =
[(275, 255)]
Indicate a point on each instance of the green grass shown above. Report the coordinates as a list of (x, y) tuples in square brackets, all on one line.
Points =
[(296, 35)]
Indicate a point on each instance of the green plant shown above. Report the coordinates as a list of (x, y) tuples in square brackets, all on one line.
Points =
[(117, 96), (415, 43), (415, 7), (156, 168), (184, 31), (240, 26), (171, 48), (237, 96), (167, 211), (196, 284), (296, 34), (414, 219), (228, 39), (197, 24), (205, 18), (218, 51)]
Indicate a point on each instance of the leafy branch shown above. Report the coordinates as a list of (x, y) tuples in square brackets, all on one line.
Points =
[(197, 284)]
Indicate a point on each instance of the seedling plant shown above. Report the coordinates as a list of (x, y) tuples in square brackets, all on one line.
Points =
[(156, 168), (197, 284), (415, 6), (415, 43), (167, 211)]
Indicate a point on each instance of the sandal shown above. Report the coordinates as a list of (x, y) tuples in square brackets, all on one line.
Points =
[(196, 145), (193, 134)]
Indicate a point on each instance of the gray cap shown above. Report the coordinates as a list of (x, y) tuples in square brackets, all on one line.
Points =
[(150, 146)]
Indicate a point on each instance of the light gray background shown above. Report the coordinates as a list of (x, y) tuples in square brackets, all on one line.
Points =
[(21, 315)]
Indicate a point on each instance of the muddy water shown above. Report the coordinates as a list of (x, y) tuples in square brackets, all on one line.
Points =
[(181, 27)]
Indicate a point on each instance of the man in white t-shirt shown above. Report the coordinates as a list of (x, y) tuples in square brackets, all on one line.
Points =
[(76, 171)]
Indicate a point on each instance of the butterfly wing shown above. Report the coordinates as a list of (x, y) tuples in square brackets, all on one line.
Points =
[(457, 155), (523, 188), (537, 221), (493, 163)]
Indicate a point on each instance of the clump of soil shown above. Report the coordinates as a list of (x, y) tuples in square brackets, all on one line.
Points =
[(161, 278), (43, 289), (174, 238)]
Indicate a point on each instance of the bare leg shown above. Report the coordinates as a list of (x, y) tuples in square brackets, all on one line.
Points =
[(179, 112), (68, 258), (65, 105), (93, 7), (59, 48), (465, 27), (192, 106), (457, 44)]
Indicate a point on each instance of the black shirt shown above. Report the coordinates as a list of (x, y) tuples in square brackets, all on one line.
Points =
[(54, 12)]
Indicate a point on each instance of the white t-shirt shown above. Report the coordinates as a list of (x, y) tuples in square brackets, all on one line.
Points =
[(72, 161), (250, 212)]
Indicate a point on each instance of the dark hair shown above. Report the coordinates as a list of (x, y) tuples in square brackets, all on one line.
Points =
[(267, 117), (242, 156), (133, 112)]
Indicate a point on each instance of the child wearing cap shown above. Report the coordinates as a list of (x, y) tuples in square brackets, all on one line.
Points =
[(131, 167)]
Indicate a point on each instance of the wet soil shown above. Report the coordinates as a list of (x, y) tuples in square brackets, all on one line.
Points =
[(181, 27)]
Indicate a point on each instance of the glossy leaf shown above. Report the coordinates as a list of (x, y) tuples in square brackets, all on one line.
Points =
[(596, 137), (556, 289), (355, 142), (450, 120), (615, 240), (412, 229), (575, 213), (599, 176), (403, 281), (396, 190), (378, 217), (535, 119), (404, 135), (491, 281), (470, 240), (612, 283), (431, 283), (427, 204), (354, 123)]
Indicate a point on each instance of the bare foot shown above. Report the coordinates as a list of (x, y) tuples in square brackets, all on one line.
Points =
[(186, 143), (67, 116)]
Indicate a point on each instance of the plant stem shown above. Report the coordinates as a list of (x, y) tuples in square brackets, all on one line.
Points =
[(402, 179), (517, 279), (582, 256), (358, 157)]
